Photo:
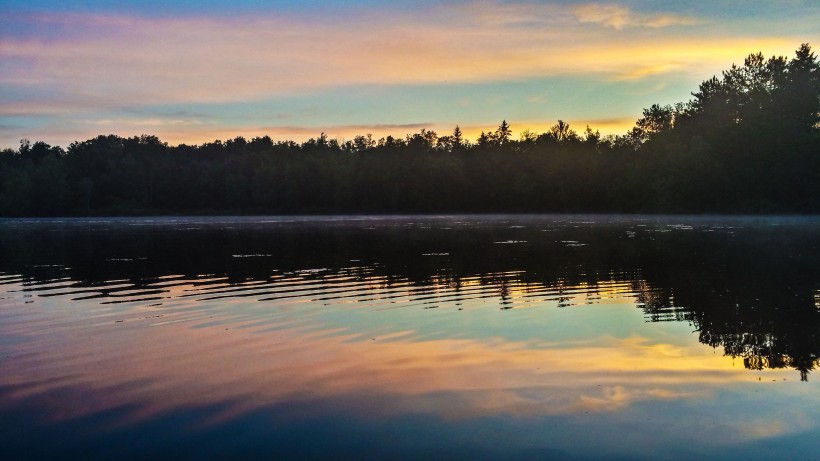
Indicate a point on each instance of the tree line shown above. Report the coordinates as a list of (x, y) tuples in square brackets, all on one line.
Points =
[(747, 142)]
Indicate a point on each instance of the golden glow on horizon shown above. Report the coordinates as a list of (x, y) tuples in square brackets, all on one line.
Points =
[(614, 126), (190, 132)]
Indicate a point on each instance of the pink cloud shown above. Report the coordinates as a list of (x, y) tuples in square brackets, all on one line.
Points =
[(131, 60)]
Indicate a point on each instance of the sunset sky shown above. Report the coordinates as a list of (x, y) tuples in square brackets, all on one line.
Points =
[(195, 71)]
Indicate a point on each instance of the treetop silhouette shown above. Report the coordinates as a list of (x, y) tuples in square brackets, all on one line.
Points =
[(747, 142)]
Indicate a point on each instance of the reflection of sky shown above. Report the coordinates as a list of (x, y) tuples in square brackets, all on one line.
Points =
[(542, 378), (196, 71), (380, 363)]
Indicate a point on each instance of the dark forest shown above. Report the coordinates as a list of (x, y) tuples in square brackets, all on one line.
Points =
[(747, 142)]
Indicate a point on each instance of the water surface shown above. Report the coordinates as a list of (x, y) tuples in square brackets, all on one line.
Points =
[(458, 337)]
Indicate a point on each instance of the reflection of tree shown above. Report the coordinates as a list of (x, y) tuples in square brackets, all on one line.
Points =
[(658, 305), (504, 294), (775, 335), (753, 299), (752, 290), (766, 328)]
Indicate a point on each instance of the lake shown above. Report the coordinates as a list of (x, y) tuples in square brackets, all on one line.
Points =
[(419, 337)]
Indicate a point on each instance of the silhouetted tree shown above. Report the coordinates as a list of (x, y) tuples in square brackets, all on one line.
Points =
[(746, 142), (503, 133)]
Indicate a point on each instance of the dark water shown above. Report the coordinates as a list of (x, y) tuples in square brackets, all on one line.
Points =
[(581, 337)]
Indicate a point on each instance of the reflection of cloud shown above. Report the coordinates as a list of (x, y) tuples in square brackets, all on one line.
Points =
[(472, 377), (619, 17), (247, 358), (613, 398), (764, 428)]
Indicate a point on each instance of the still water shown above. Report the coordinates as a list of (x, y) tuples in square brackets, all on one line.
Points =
[(438, 337)]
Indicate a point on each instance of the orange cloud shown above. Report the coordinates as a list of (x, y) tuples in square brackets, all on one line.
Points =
[(123, 61), (113, 65)]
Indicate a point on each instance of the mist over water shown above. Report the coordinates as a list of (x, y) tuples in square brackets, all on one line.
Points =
[(402, 337)]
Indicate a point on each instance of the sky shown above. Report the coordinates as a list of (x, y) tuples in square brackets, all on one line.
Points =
[(197, 71)]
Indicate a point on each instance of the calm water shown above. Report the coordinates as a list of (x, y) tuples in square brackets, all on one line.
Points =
[(576, 337)]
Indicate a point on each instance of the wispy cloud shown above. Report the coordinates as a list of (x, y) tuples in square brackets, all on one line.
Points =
[(619, 17), (86, 65), (129, 60)]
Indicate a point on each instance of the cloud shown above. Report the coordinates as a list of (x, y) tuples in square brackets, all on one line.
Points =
[(619, 17), (60, 68), (612, 398), (520, 15), (122, 61)]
